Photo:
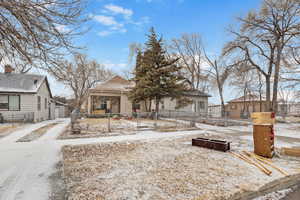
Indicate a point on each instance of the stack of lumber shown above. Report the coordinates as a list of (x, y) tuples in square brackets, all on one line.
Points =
[(263, 164)]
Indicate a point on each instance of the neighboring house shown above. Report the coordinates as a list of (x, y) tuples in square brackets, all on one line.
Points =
[(61, 109), (242, 107), (24, 97), (111, 96)]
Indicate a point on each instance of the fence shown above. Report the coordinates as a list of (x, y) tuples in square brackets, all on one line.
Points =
[(17, 117), (164, 121), (139, 121)]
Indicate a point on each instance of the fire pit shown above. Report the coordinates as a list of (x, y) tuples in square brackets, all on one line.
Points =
[(218, 145)]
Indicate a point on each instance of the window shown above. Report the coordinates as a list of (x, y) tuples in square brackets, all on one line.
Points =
[(3, 102), (10, 102), (39, 103), (14, 102), (103, 104), (233, 107), (162, 104), (136, 106), (201, 105), (46, 103)]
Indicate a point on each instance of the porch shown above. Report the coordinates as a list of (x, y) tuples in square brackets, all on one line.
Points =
[(104, 104)]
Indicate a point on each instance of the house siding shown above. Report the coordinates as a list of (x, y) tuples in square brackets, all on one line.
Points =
[(26, 111), (170, 104), (43, 113)]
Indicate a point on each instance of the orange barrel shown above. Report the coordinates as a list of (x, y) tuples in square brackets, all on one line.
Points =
[(263, 133)]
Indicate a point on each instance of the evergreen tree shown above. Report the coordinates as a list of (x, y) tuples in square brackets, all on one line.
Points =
[(156, 75)]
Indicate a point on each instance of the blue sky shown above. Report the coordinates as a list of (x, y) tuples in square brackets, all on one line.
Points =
[(117, 23)]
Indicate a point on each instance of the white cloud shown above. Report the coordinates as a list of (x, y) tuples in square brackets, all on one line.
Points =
[(106, 20), (105, 33), (114, 9), (116, 19), (112, 31), (62, 28)]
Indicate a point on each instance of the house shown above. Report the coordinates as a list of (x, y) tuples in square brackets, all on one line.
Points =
[(111, 96), (61, 109), (243, 106), (25, 97)]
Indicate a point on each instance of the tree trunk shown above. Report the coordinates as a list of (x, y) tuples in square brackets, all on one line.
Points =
[(222, 102), (276, 78), (157, 108), (268, 94)]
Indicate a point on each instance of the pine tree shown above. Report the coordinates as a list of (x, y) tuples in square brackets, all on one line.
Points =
[(156, 75)]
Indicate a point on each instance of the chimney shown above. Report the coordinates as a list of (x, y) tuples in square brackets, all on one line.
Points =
[(8, 69)]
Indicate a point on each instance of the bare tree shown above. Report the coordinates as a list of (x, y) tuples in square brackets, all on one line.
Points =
[(247, 81), (219, 72), (189, 48), (80, 75), (264, 38), (39, 31)]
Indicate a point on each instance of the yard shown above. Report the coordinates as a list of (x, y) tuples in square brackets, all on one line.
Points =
[(99, 127), (8, 128), (164, 169)]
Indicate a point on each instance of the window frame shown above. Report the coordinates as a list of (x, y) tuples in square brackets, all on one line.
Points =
[(39, 103), (3, 109), (8, 102), (233, 107), (19, 106), (46, 103)]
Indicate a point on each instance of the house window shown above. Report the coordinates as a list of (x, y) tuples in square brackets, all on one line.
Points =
[(233, 107), (103, 104), (201, 105), (162, 104), (39, 103), (3, 102), (46, 103), (10, 102), (14, 102), (136, 106)]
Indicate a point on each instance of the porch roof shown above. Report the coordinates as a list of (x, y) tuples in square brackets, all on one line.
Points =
[(115, 85)]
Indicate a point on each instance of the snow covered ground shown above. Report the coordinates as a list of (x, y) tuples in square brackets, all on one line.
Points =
[(25, 167)]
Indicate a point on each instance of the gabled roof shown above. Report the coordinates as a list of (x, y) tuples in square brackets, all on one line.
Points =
[(22, 83), (248, 98), (117, 83)]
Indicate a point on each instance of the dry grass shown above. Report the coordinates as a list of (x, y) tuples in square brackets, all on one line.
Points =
[(9, 128), (36, 133), (94, 121), (169, 169), (98, 127), (166, 169)]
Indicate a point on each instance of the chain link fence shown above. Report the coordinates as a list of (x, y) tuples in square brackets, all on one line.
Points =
[(163, 121)]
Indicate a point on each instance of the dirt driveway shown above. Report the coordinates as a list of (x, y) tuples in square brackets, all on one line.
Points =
[(25, 167)]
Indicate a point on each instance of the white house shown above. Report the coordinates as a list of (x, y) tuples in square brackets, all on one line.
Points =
[(25, 97), (111, 96)]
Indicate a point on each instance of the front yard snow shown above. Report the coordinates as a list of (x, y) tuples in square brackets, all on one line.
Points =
[(98, 127), (165, 169), (8, 128)]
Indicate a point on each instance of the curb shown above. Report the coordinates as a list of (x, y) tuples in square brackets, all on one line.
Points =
[(278, 184)]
